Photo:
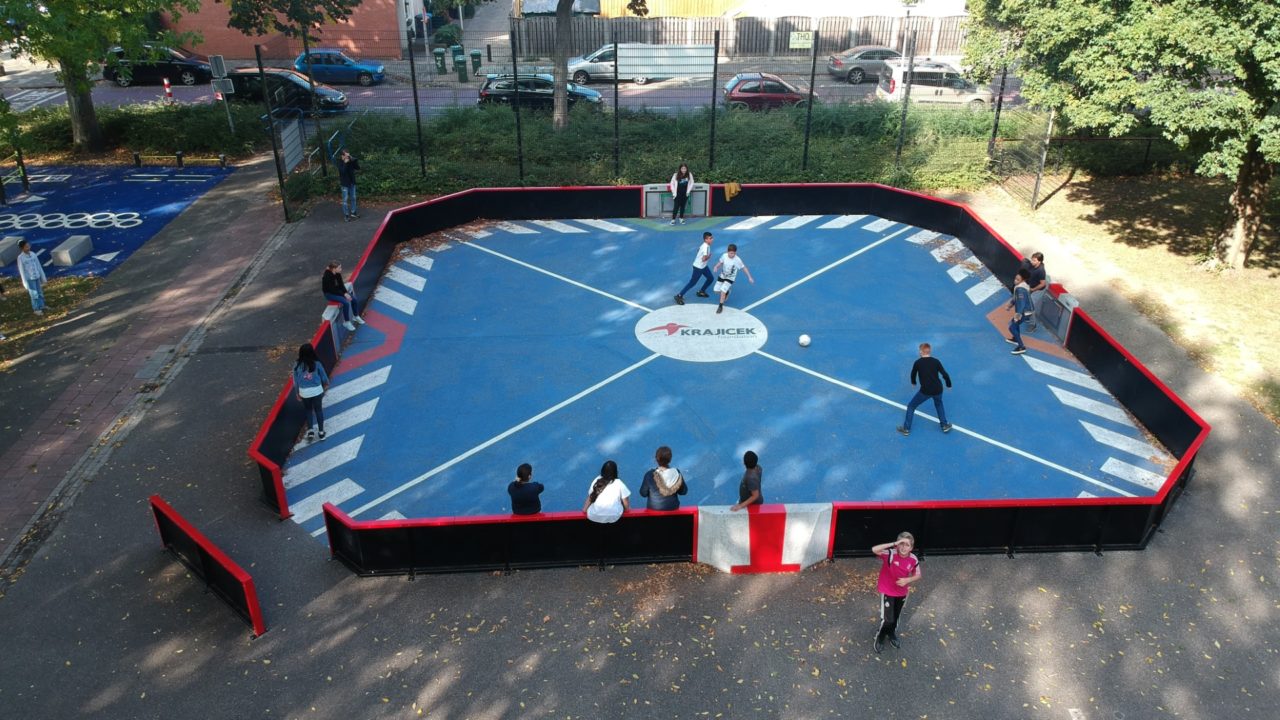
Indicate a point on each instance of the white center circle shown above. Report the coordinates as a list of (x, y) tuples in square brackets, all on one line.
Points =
[(696, 333)]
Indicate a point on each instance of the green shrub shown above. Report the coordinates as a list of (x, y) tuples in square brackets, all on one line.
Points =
[(448, 35)]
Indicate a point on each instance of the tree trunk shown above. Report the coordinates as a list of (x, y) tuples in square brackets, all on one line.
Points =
[(85, 132), (1248, 202), (564, 41)]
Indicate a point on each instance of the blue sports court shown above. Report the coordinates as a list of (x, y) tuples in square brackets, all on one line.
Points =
[(558, 343)]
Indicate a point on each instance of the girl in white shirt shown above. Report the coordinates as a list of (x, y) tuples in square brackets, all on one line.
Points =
[(608, 497)]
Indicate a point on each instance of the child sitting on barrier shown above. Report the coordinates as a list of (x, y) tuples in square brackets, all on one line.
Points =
[(524, 493), (663, 485), (607, 498)]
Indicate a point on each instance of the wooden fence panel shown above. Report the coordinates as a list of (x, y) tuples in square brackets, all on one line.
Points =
[(834, 34)]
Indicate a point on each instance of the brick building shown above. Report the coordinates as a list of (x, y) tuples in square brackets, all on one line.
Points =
[(375, 29)]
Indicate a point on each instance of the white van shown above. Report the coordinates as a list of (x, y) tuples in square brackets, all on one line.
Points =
[(932, 82), (642, 62)]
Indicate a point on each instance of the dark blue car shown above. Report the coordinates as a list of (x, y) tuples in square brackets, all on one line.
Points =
[(334, 66)]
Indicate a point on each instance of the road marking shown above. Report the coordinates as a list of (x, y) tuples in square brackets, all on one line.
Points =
[(144, 177), (312, 505), (923, 237), (795, 222), (339, 392), (979, 293), (344, 420), (478, 234), (840, 222), (752, 222), (514, 228), (403, 303), (393, 515), (956, 428), (819, 271), (322, 463), (944, 252), (1089, 405), (1124, 443), (607, 226), (423, 261), (106, 257), (557, 226), (497, 438), (1134, 474), (961, 271), (1086, 494), (406, 278), (1064, 374), (557, 276), (878, 225)]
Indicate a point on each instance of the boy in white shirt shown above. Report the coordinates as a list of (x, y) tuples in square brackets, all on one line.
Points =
[(700, 259), (731, 264)]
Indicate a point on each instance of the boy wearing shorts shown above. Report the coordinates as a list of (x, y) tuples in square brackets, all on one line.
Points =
[(728, 268)]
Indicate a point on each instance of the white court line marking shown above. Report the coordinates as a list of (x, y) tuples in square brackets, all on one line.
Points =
[(1120, 442), (406, 278), (399, 301), (961, 271), (344, 420), (606, 226), (423, 261), (322, 463), (1089, 405), (946, 250), (922, 237), (795, 222), (1064, 374), (496, 439), (557, 276), (1086, 494), (752, 222), (979, 293), (393, 515), (557, 226), (840, 222), (478, 234), (348, 389), (311, 506), (879, 225), (957, 428), (1134, 474), (514, 228), (818, 272)]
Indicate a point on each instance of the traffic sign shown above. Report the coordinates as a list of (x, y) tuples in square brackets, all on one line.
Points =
[(218, 66), (224, 86)]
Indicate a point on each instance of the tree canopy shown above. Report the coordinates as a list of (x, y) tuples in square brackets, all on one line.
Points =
[(1206, 72), (288, 17)]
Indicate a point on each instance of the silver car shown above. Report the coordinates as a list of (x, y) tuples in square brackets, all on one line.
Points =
[(858, 64)]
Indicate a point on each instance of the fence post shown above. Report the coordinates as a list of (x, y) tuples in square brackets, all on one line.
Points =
[(311, 83), (417, 111), (515, 74), (271, 122), (995, 125), (906, 97), (808, 116), (1044, 157), (617, 138), (715, 85)]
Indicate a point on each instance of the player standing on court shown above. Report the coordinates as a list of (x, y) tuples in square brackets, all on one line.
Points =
[(899, 568), (700, 260), (728, 267)]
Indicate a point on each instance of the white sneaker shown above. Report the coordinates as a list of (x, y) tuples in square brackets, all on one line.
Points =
[(349, 327), (359, 320), (311, 435), (673, 221)]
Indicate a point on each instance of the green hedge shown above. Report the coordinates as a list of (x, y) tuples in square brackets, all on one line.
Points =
[(152, 128)]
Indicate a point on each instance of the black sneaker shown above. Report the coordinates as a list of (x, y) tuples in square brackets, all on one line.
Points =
[(311, 435), (703, 293), (321, 434), (946, 427), (1011, 341), (903, 430), (719, 309), (894, 641), (1017, 351), (879, 644), (679, 299)]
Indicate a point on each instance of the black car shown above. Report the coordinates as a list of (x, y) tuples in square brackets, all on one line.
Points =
[(535, 91), (182, 67), (289, 91)]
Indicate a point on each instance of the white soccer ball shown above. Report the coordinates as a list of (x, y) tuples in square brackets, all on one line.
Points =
[(804, 341)]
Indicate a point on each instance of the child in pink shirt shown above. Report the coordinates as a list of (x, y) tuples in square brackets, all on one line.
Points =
[(899, 568)]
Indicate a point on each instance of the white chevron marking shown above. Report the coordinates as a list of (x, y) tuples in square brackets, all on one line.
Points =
[(607, 226), (1064, 374), (403, 303), (1141, 448), (752, 222), (312, 505), (945, 251), (514, 228), (922, 237), (406, 278), (344, 420), (421, 261), (878, 225), (1134, 474), (347, 389), (1089, 405), (979, 293), (322, 463), (795, 222), (840, 222), (557, 226)]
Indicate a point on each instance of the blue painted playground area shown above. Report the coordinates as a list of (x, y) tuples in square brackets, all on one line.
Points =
[(559, 343), (119, 208)]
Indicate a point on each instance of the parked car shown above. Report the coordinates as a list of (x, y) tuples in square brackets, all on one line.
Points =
[(334, 66), (857, 64), (933, 82), (642, 62), (761, 91), (290, 90), (181, 66), (535, 91)]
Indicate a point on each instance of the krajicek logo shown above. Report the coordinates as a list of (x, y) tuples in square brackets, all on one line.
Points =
[(696, 333)]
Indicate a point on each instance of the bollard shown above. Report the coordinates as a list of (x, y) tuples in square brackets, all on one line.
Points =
[(178, 157), (489, 49), (168, 91), (460, 64), (137, 160), (222, 160)]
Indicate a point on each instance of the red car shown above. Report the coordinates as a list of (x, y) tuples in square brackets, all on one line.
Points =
[(761, 91)]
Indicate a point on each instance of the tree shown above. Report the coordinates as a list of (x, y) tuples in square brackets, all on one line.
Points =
[(1203, 71), (560, 58), (74, 35), (287, 17)]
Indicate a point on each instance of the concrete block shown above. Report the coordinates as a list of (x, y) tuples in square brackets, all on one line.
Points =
[(72, 250), (9, 249)]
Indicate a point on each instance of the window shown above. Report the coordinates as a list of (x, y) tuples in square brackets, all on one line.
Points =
[(749, 86), (606, 56), (775, 88)]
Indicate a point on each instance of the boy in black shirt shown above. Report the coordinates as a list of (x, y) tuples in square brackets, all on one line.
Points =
[(928, 369)]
